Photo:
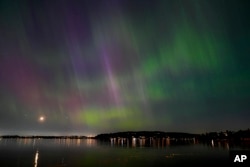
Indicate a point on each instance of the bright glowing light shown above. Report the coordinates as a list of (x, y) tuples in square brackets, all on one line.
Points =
[(36, 159), (41, 118)]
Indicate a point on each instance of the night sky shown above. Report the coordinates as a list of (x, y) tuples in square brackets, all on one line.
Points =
[(88, 67)]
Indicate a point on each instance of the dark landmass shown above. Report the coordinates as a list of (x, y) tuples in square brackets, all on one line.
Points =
[(45, 137), (241, 135), (146, 134)]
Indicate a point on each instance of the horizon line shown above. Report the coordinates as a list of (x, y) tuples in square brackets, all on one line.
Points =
[(91, 136)]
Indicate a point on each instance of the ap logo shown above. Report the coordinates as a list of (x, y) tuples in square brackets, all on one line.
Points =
[(240, 158)]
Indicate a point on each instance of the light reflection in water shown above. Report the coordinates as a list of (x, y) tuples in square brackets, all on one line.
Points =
[(227, 145), (142, 142), (36, 158), (55, 152), (34, 143), (168, 141), (78, 142), (91, 142), (118, 141), (150, 142), (25, 141), (212, 142), (134, 142)]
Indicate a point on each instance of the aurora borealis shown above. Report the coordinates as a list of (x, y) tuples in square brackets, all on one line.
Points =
[(88, 67)]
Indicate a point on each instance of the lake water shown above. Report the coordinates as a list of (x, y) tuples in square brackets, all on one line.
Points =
[(117, 153)]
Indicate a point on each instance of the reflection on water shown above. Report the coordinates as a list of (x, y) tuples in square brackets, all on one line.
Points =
[(91, 142), (149, 142), (22, 142), (36, 158), (212, 143), (116, 152)]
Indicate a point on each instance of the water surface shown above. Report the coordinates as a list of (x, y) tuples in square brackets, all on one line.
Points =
[(118, 153)]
